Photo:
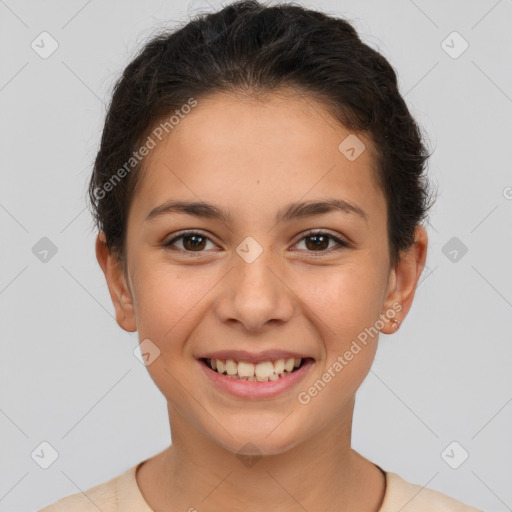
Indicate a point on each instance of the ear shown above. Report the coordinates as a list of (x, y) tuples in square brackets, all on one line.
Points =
[(117, 285), (403, 280)]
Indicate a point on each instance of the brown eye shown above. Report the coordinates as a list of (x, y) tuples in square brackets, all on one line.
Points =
[(192, 241), (319, 242)]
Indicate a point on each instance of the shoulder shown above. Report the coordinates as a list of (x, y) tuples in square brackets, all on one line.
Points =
[(105, 496), (410, 497)]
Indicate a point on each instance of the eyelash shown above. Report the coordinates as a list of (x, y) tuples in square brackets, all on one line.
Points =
[(183, 234)]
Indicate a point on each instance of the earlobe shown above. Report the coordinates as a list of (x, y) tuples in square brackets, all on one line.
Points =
[(404, 280), (117, 286)]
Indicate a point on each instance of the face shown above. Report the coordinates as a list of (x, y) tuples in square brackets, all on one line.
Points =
[(257, 285)]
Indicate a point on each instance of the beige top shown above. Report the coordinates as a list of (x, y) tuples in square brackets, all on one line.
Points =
[(122, 494)]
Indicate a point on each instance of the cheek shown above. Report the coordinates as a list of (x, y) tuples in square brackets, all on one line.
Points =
[(162, 285), (167, 306), (163, 298), (347, 299)]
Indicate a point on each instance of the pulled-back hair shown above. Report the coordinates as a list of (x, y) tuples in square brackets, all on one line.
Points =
[(250, 48)]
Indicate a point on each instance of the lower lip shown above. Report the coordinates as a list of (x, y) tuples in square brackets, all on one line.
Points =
[(255, 389)]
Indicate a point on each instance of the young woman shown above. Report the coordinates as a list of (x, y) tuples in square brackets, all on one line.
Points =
[(260, 191)]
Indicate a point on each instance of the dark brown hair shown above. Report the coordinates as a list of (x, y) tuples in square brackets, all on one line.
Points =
[(251, 48)]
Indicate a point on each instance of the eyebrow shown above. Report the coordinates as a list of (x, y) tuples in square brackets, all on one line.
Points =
[(296, 210)]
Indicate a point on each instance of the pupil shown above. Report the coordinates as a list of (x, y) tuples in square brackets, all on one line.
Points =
[(195, 243), (318, 243)]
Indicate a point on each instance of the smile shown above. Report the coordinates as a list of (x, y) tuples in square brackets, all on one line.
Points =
[(264, 379), (260, 372)]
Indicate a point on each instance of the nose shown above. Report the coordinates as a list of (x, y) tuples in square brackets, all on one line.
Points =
[(254, 295)]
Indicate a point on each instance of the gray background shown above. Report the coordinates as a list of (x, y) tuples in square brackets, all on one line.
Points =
[(68, 372)]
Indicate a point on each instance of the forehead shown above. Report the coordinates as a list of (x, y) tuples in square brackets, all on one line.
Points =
[(285, 142)]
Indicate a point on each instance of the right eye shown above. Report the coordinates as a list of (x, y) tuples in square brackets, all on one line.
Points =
[(192, 241)]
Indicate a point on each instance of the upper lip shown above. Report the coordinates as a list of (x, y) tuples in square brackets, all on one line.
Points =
[(251, 357)]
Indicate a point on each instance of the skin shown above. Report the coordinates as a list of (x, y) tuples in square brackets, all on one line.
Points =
[(253, 157)]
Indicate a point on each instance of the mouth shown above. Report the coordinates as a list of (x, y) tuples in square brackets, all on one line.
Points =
[(255, 376), (262, 371)]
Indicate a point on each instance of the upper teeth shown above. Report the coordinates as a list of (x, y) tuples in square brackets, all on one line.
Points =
[(264, 371)]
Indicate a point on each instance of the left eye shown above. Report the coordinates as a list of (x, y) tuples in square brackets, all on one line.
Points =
[(319, 239), (194, 241)]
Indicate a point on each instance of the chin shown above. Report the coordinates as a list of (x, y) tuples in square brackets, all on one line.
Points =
[(258, 442)]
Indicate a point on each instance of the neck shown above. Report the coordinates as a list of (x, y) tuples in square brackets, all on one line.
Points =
[(321, 473)]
